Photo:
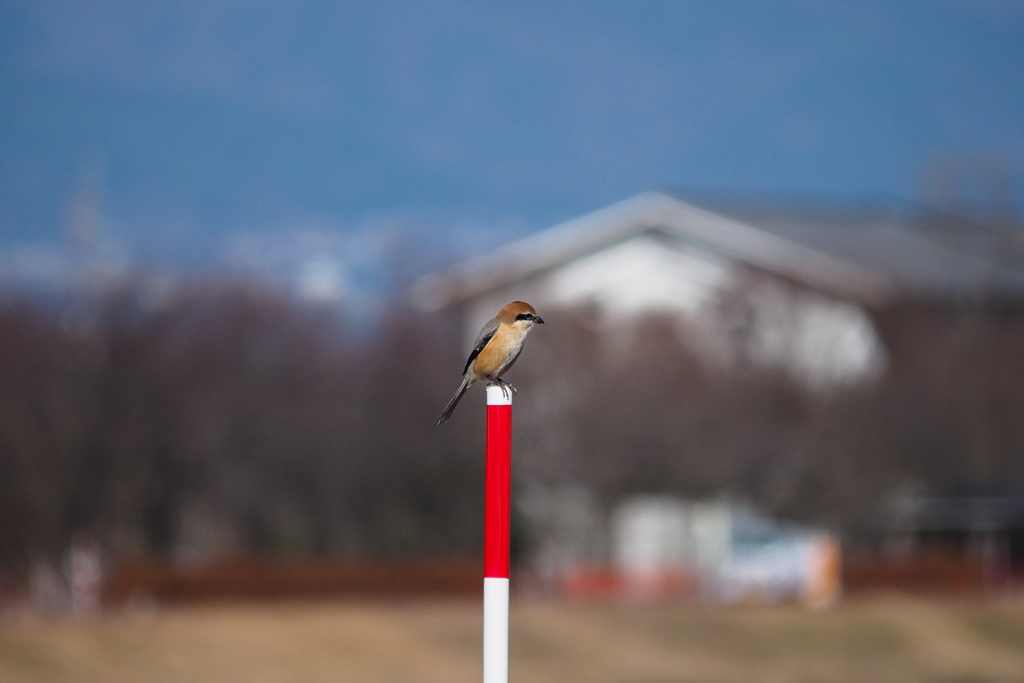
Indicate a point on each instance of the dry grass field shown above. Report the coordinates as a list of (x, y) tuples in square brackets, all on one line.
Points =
[(878, 641)]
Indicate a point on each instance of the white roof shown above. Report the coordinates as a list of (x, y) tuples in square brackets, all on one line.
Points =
[(866, 256)]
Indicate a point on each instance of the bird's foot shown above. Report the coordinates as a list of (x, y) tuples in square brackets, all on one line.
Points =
[(504, 386)]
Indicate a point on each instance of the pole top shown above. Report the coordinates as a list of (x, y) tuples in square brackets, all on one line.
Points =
[(498, 396)]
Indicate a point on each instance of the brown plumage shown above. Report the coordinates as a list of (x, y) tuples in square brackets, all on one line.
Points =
[(496, 348)]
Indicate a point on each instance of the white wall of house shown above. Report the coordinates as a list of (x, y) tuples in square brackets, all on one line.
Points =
[(821, 340)]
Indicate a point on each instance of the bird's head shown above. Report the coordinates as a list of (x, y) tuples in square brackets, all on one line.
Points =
[(519, 314)]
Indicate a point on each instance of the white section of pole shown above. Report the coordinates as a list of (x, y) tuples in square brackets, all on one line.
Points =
[(495, 630), (496, 396)]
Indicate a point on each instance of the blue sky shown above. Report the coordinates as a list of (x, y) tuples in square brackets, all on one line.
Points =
[(468, 122)]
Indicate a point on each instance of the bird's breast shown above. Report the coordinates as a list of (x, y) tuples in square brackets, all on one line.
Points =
[(499, 353)]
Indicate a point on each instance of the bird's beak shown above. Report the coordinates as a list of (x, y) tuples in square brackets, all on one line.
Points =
[(539, 320)]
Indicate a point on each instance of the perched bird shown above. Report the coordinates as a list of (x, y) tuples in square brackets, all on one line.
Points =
[(496, 348)]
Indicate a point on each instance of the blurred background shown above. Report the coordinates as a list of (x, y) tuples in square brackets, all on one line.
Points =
[(245, 247)]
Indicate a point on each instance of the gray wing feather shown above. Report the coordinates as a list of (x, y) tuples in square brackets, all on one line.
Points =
[(485, 335)]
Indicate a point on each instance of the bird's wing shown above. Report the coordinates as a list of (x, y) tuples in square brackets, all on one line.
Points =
[(481, 341)]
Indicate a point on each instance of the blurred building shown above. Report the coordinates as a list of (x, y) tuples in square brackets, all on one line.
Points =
[(833, 294), (664, 547), (801, 286), (984, 530)]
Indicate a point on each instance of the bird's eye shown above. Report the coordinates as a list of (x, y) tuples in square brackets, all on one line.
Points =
[(523, 316)]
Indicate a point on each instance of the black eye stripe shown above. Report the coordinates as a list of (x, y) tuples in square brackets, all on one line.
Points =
[(524, 316)]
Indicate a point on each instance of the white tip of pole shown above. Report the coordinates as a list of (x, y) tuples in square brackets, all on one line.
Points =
[(498, 395)]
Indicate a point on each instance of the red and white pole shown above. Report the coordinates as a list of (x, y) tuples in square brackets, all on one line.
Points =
[(497, 517)]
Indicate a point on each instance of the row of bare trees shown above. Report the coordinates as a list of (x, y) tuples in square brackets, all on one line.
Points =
[(227, 417)]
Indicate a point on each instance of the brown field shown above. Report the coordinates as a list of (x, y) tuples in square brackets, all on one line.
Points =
[(873, 640)]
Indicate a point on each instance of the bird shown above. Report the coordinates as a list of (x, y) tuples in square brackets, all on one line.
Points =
[(496, 348)]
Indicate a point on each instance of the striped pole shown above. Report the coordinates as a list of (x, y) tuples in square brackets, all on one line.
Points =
[(497, 515)]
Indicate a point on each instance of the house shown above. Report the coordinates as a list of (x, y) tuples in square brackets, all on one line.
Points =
[(821, 291), (794, 286)]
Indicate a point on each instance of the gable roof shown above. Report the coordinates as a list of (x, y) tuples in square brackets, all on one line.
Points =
[(860, 254)]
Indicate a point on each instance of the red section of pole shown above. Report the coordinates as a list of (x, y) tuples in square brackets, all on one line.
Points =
[(498, 490)]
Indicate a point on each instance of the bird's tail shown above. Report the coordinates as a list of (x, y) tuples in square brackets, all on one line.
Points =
[(450, 408)]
